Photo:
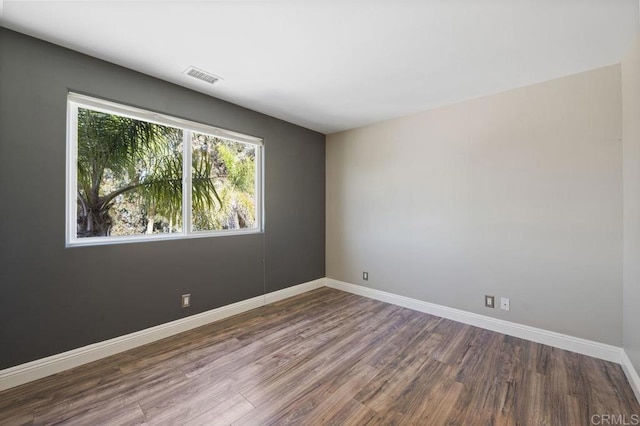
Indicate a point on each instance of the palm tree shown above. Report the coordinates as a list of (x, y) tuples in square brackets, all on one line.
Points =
[(119, 155)]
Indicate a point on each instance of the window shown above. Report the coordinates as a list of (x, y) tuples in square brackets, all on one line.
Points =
[(134, 175)]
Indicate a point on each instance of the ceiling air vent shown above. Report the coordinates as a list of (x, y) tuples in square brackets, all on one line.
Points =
[(202, 75)]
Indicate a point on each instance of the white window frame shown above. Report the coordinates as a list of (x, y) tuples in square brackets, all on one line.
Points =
[(75, 101)]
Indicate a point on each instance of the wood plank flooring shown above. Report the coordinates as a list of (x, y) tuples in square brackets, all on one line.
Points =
[(328, 357)]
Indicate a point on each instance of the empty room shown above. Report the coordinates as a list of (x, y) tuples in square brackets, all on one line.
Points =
[(320, 212)]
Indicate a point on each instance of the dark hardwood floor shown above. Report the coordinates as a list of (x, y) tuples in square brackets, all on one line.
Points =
[(328, 357)]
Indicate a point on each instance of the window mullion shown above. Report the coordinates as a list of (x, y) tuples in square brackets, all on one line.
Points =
[(186, 181)]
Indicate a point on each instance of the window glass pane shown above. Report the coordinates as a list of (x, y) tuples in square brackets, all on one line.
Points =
[(223, 184), (129, 176)]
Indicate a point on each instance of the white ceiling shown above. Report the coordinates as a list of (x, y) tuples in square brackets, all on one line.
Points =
[(336, 65)]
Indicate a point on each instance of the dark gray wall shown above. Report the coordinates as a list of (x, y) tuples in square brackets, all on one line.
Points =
[(53, 298)]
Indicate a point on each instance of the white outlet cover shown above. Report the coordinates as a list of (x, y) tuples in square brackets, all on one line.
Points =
[(504, 303)]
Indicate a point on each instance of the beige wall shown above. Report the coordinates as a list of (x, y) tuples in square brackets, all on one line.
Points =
[(517, 194), (631, 214)]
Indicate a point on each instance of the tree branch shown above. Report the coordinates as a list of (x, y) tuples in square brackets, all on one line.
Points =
[(107, 199)]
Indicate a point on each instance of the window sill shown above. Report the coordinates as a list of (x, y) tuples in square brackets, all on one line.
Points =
[(101, 241)]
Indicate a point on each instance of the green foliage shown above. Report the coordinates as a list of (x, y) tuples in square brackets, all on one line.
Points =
[(233, 167), (130, 178), (239, 166)]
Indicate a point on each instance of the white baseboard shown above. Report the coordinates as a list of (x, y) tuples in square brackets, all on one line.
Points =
[(632, 374), (551, 338), (44, 367), (293, 291)]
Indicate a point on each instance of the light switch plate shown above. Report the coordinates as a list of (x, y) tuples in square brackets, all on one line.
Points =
[(186, 300), (489, 301)]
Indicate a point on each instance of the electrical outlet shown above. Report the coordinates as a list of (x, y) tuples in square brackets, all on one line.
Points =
[(186, 300), (489, 301), (504, 303), (365, 276)]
